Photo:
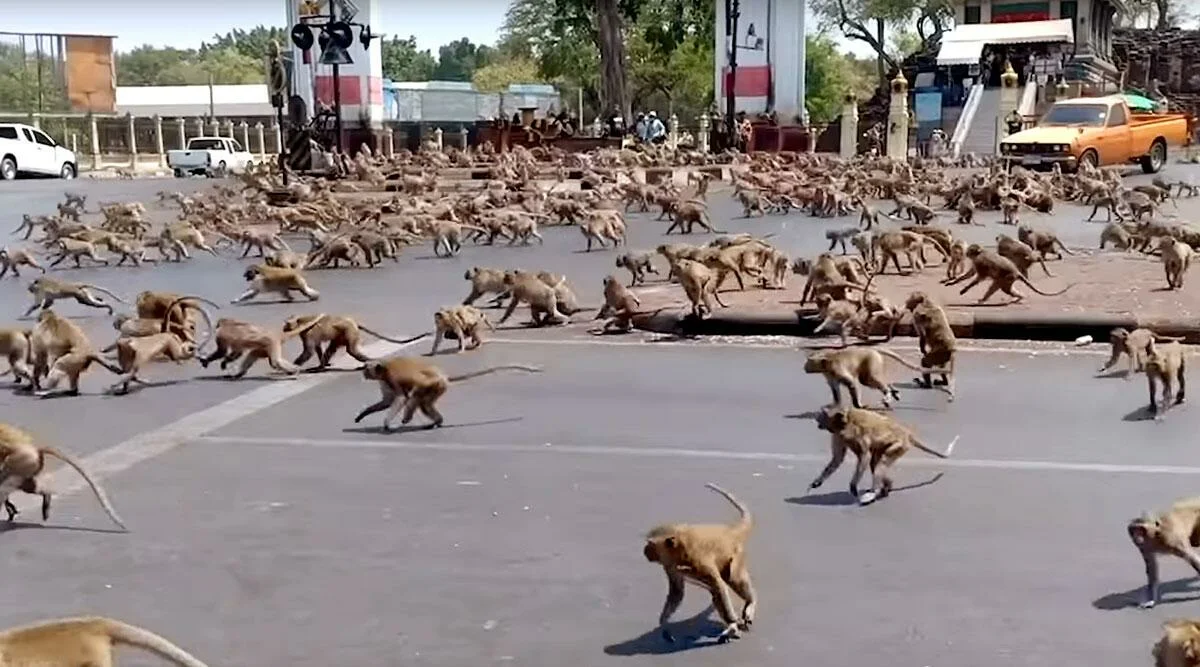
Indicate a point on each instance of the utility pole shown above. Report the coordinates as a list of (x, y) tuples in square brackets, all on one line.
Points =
[(337, 88), (732, 12)]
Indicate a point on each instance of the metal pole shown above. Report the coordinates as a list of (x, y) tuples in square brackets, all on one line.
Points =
[(212, 103), (37, 41), (337, 88), (732, 10)]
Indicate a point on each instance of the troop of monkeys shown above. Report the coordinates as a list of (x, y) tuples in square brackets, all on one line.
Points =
[(712, 556)]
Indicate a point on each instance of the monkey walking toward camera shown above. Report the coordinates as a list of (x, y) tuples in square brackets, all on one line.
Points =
[(876, 439), (712, 556), (1175, 532), (87, 641), (1179, 645)]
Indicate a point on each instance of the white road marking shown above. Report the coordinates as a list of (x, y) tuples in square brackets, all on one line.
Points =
[(663, 452), (702, 343), (139, 448)]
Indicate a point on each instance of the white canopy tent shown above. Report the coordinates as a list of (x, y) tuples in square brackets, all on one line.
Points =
[(964, 44)]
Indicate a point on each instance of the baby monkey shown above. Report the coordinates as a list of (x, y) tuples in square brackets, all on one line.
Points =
[(712, 556), (1175, 532)]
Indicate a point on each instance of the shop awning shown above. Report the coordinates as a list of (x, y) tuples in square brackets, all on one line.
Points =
[(964, 44)]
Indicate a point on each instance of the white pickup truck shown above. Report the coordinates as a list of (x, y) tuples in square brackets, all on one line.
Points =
[(24, 149), (209, 156)]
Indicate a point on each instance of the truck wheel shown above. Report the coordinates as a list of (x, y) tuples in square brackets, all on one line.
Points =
[(1152, 163), (67, 172), (8, 169), (1090, 157), (179, 173)]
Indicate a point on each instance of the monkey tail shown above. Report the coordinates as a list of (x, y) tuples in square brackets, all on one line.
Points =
[(132, 635), (301, 329), (105, 291), (908, 364), (933, 452), (493, 369), (746, 519), (100, 495), (1064, 248), (1169, 339), (1032, 287), (398, 341)]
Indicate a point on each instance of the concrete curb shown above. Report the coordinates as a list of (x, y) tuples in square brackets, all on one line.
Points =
[(984, 325)]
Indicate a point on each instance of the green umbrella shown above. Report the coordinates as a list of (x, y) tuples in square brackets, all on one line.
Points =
[(1139, 103)]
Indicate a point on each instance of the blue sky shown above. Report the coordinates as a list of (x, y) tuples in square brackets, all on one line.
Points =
[(185, 23)]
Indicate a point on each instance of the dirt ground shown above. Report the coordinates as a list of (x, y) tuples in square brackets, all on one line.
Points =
[(1110, 282)]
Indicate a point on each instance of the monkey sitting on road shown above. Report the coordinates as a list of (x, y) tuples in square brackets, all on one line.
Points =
[(849, 366), (408, 384), (1173, 532), (22, 461), (712, 556), (1132, 344), (876, 439), (1179, 645), (1165, 364), (83, 641)]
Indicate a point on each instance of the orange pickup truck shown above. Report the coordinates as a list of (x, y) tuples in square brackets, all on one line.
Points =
[(1097, 131)]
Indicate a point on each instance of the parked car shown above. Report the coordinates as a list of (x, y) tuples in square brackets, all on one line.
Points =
[(1098, 131), (209, 156), (24, 149)]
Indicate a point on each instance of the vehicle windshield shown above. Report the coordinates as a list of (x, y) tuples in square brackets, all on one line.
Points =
[(1076, 115), (205, 145)]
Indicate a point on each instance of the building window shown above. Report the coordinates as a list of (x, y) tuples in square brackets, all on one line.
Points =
[(1069, 9), (971, 14)]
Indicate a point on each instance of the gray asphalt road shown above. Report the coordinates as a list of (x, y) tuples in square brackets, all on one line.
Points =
[(293, 536), (268, 530)]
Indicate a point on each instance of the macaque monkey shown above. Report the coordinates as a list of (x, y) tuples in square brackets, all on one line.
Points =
[(135, 352), (280, 281), (1176, 259), (46, 291), (935, 338), (1175, 532), (1020, 254), (22, 461), (877, 440), (408, 384), (236, 338), (1132, 344), (461, 323), (836, 236), (485, 281), (835, 313), (1044, 242), (638, 264), (335, 332), (60, 349), (74, 249), (11, 258), (1166, 364), (15, 346), (71, 642), (542, 298), (711, 556), (989, 265), (699, 285), (1179, 645), (849, 366), (1117, 235)]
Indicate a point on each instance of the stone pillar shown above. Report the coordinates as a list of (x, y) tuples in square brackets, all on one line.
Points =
[(897, 134), (673, 136), (702, 140), (132, 141), (94, 128), (199, 127), (35, 120), (216, 128), (437, 138), (1009, 100), (389, 141), (278, 134), (158, 141), (1061, 91), (260, 134), (463, 142), (245, 139), (182, 133), (597, 127), (849, 143), (229, 130)]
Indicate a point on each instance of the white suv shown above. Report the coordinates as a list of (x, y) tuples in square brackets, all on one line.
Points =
[(26, 149)]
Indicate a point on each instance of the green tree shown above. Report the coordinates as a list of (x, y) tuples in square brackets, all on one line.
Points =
[(828, 76), (458, 60), (254, 43), (20, 89), (498, 76), (403, 61), (564, 49), (870, 22), (148, 66)]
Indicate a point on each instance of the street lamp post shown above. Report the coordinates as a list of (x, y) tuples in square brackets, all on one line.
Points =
[(732, 13)]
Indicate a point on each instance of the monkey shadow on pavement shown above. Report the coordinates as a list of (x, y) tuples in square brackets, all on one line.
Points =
[(6, 526), (1131, 598), (844, 498), (1142, 414), (699, 627), (412, 428)]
